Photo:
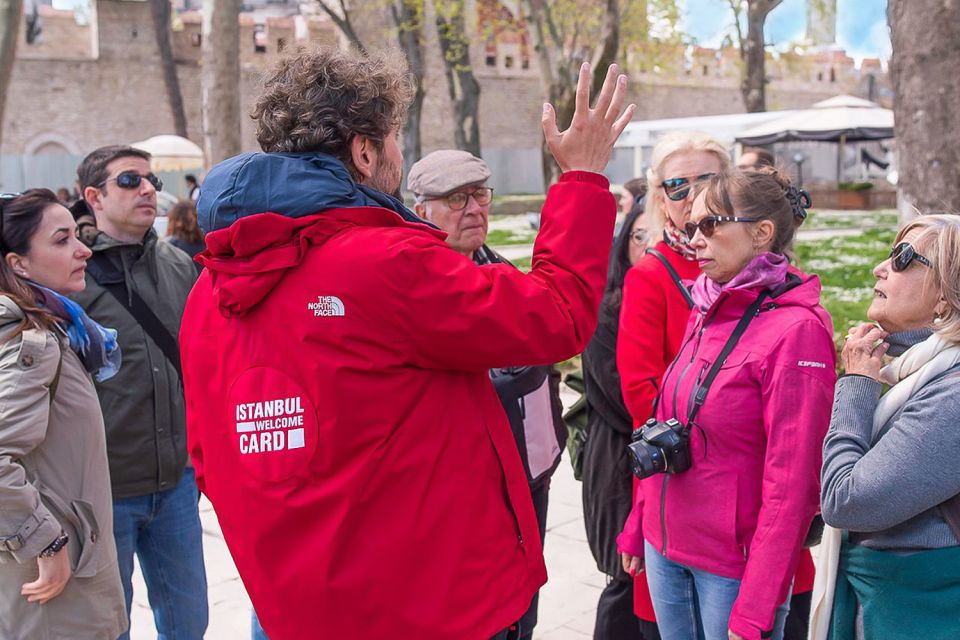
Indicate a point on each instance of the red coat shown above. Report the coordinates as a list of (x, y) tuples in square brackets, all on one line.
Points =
[(342, 422), (653, 317)]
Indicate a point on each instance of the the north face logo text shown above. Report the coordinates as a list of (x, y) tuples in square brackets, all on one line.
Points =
[(326, 306)]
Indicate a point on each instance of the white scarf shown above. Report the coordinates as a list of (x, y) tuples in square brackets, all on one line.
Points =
[(908, 374)]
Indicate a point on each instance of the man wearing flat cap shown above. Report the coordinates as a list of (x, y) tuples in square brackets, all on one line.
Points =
[(452, 192)]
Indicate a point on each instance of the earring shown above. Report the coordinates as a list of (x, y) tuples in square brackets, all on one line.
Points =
[(937, 319)]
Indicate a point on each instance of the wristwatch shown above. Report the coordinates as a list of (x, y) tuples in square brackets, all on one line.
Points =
[(56, 545)]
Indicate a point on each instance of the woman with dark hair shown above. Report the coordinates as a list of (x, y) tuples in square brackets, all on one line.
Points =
[(58, 562), (183, 231), (607, 481), (723, 517)]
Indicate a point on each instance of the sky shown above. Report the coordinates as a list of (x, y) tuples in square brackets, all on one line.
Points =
[(861, 24)]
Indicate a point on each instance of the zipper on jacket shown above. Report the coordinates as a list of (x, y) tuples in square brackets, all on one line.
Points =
[(663, 514)]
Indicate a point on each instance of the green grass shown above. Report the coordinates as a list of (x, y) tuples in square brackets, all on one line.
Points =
[(503, 237), (847, 219), (845, 266)]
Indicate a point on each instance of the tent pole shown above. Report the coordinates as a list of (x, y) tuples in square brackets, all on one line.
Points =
[(843, 142)]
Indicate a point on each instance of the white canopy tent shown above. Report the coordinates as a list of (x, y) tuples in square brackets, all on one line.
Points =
[(839, 119), (172, 153)]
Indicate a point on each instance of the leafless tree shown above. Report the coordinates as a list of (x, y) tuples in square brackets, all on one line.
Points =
[(160, 14), (11, 12), (462, 84), (753, 50), (221, 79), (567, 33), (925, 35)]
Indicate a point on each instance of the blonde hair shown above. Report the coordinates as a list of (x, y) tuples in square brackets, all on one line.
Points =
[(939, 242), (670, 144)]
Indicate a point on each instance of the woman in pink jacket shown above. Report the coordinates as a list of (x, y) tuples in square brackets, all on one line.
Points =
[(724, 526)]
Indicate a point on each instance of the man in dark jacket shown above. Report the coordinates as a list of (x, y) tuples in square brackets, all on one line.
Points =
[(335, 357), (139, 287), (452, 192)]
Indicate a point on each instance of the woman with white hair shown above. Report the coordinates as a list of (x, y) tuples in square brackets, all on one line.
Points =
[(654, 313), (890, 482)]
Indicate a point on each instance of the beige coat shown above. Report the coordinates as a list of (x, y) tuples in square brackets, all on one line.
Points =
[(53, 476)]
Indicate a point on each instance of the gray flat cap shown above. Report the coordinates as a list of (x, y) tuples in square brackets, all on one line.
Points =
[(440, 172)]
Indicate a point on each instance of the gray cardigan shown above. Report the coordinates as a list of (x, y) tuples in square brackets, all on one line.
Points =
[(886, 492)]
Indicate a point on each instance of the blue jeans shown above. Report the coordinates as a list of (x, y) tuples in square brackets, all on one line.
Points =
[(692, 604), (163, 529)]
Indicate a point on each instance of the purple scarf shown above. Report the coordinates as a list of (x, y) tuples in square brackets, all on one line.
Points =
[(765, 271)]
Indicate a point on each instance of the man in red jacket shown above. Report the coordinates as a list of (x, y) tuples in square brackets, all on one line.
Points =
[(335, 355)]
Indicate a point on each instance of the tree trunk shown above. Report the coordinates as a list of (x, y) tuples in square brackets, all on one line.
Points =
[(408, 17), (160, 12), (463, 86), (11, 12), (926, 55), (559, 67), (221, 79), (753, 52)]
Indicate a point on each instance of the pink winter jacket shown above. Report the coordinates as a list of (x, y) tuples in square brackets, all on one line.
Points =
[(745, 505)]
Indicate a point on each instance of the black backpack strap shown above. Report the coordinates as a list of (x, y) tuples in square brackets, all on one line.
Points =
[(673, 275), (110, 278)]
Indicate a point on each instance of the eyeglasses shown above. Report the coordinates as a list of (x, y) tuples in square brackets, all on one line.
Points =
[(4, 199), (708, 224), (458, 199), (903, 254), (131, 180), (639, 237), (679, 188)]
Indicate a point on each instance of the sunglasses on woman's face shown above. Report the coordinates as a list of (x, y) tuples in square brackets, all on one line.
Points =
[(903, 254), (708, 224), (132, 179), (679, 188)]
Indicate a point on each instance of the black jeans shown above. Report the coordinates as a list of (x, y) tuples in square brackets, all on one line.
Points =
[(615, 617), (540, 497)]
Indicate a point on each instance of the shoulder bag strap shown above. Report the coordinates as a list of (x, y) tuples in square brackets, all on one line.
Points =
[(673, 275), (108, 277)]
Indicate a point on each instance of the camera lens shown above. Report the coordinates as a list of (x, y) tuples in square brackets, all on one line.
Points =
[(647, 460)]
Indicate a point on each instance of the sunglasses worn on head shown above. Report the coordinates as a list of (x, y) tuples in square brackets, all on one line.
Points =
[(903, 254), (131, 180), (458, 199), (679, 188), (708, 224)]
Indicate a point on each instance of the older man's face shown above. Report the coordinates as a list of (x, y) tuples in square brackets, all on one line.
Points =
[(466, 227)]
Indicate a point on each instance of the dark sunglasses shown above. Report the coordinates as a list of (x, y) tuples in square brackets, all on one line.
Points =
[(709, 224), (903, 254), (679, 188), (4, 199), (131, 180)]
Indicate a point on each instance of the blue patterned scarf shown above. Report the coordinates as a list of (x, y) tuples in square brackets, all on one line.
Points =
[(96, 346)]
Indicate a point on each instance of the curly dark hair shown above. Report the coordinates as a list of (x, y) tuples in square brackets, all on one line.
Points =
[(319, 100)]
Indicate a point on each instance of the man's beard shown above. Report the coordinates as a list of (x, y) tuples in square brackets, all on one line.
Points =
[(386, 178)]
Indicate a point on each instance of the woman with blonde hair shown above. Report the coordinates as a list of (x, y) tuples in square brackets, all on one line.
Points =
[(890, 481), (58, 561), (655, 308)]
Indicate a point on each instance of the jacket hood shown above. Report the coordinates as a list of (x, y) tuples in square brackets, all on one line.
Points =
[(804, 292), (293, 185)]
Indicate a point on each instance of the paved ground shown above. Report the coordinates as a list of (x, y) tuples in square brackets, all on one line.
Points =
[(567, 602)]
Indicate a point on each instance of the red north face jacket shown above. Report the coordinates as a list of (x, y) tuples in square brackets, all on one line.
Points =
[(342, 422)]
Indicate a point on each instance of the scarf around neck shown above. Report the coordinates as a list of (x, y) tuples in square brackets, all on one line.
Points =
[(907, 374), (95, 345), (764, 271), (678, 241)]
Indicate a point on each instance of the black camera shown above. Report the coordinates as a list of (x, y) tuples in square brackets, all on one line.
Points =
[(659, 447)]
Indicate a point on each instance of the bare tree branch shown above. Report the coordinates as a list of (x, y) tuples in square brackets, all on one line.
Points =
[(343, 23)]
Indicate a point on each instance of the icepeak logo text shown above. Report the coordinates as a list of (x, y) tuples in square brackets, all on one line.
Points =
[(326, 306)]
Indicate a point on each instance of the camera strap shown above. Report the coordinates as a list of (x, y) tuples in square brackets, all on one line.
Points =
[(752, 312), (673, 276)]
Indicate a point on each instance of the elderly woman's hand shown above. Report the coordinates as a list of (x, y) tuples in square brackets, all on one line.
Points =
[(864, 349)]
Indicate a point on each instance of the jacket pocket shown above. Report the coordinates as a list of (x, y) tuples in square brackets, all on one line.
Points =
[(88, 533)]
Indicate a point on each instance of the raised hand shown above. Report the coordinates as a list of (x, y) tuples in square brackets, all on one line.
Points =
[(588, 143)]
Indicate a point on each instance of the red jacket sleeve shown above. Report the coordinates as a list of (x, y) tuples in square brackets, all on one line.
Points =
[(456, 315), (642, 340), (797, 400)]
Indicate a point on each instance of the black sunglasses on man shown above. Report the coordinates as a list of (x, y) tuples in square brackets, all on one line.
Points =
[(132, 179)]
